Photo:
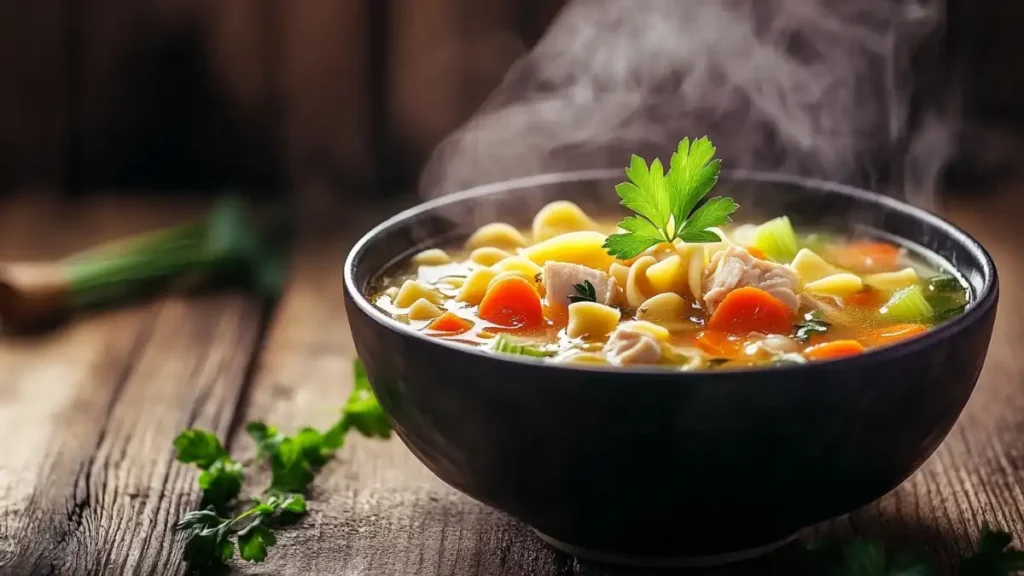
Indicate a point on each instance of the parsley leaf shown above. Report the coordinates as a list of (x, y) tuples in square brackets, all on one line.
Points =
[(198, 447), (995, 556), (362, 411), (254, 541), (585, 292), (811, 325), (664, 203), (221, 477), (860, 557), (294, 460)]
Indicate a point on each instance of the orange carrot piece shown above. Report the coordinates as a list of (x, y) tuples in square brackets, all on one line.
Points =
[(750, 309), (719, 344), (866, 257), (451, 323), (835, 349), (868, 298), (892, 334), (757, 253), (512, 302)]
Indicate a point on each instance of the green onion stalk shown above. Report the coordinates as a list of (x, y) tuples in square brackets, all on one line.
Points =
[(223, 246)]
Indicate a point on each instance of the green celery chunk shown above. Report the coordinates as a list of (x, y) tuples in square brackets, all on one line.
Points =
[(908, 305), (777, 239)]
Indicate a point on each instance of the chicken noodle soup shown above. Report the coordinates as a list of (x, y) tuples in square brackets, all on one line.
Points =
[(706, 294)]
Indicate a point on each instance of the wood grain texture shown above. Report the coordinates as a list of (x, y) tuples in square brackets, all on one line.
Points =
[(90, 486)]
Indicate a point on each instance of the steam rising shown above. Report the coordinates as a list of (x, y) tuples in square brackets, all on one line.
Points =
[(819, 88)]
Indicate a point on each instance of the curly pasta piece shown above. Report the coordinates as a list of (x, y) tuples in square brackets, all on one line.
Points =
[(591, 319), (475, 286), (424, 309), (488, 255), (411, 291), (669, 310), (431, 257), (638, 287), (496, 235), (560, 217)]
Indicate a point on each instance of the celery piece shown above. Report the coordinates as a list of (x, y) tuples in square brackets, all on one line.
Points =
[(777, 239), (507, 345), (908, 305)]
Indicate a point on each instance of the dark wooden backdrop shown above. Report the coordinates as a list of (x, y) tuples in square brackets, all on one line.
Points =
[(272, 94)]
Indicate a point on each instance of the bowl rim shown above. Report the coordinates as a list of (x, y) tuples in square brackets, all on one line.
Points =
[(976, 308)]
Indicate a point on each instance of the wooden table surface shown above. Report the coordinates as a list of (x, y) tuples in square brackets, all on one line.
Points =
[(89, 485)]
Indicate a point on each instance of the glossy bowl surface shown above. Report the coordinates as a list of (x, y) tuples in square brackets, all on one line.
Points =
[(645, 464)]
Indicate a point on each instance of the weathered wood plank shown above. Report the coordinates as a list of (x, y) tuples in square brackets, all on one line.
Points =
[(92, 486)]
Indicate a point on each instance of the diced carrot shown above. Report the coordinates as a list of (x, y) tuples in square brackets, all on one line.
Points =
[(868, 298), (451, 323), (719, 344), (510, 302), (757, 253), (750, 309), (835, 349), (865, 257), (892, 334)]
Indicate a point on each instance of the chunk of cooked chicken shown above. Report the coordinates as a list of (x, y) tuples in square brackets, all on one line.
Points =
[(561, 277), (734, 268), (630, 346)]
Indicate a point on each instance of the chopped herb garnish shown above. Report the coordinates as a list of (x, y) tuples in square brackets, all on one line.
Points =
[(538, 277), (664, 203), (505, 344), (294, 461), (811, 325), (947, 297), (585, 292)]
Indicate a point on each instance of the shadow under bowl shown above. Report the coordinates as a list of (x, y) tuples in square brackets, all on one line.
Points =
[(646, 466)]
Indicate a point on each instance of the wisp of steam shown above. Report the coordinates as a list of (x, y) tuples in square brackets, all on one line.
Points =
[(819, 88)]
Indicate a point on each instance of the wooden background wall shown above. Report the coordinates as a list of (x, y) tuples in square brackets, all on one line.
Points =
[(272, 94)]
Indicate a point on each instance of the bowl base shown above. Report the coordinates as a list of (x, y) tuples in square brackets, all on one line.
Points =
[(708, 561)]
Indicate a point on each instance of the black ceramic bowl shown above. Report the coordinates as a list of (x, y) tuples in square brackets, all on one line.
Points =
[(649, 466)]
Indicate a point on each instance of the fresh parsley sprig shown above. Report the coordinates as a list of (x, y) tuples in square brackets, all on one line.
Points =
[(665, 203), (210, 538), (995, 556), (861, 557), (585, 292)]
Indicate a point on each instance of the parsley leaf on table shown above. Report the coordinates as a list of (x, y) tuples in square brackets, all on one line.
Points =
[(362, 411), (221, 477), (664, 203), (210, 539), (995, 556), (860, 557), (585, 292)]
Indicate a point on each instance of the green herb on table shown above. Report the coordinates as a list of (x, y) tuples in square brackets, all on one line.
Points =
[(860, 557), (585, 292), (221, 477), (995, 556), (664, 203), (294, 461), (811, 324)]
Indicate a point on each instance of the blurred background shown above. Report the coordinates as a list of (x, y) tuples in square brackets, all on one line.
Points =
[(277, 97)]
